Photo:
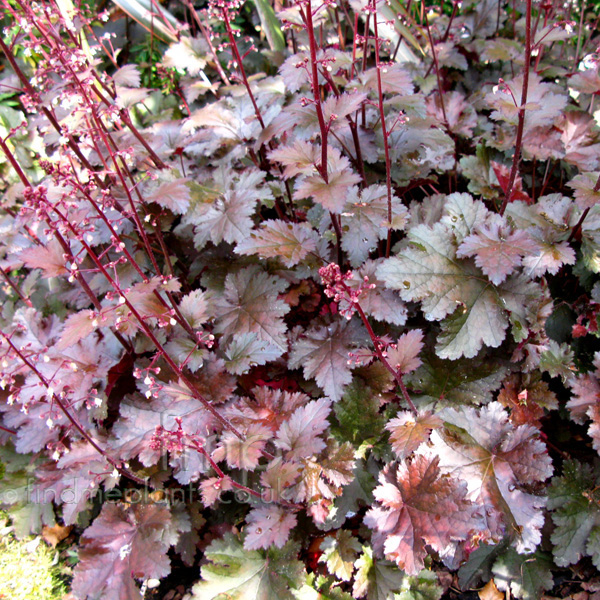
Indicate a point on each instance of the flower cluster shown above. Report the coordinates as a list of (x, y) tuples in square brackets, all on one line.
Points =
[(336, 288)]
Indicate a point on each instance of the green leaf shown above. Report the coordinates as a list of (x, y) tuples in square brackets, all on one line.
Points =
[(479, 566), (270, 25), (593, 547), (557, 360), (320, 588), (358, 414), (423, 586), (526, 575), (575, 504), (18, 479), (340, 553), (463, 214), (233, 573), (473, 312), (559, 325), (456, 382), (376, 579), (358, 493)]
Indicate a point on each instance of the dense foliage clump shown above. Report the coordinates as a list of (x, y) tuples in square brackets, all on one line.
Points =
[(303, 297)]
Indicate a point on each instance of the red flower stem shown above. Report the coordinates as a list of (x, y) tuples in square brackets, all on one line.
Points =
[(7, 430), (206, 35), (340, 34), (400, 381), (386, 146), (306, 15), (139, 225), (163, 18), (358, 161), (32, 236), (437, 72), (338, 236), (593, 27), (173, 304), (354, 45), (109, 52), (366, 43), (452, 16), (160, 348), (155, 159), (221, 475), (401, 36), (364, 62), (63, 243), (77, 185), (521, 119), (577, 228), (49, 115), (13, 161), (122, 112), (15, 288), (107, 138), (52, 38), (382, 358), (55, 398), (88, 291), (240, 65)]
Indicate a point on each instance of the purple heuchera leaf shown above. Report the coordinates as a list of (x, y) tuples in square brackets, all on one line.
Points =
[(296, 158), (77, 326), (290, 242), (404, 355), (377, 302), (585, 194), (174, 195), (409, 431), (323, 354), (250, 304), (331, 194), (268, 526), (299, 434), (498, 251), (268, 406), (418, 506), (243, 454), (123, 543), (497, 460), (48, 257)]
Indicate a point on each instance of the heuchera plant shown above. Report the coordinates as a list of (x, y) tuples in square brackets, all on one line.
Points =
[(314, 310)]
